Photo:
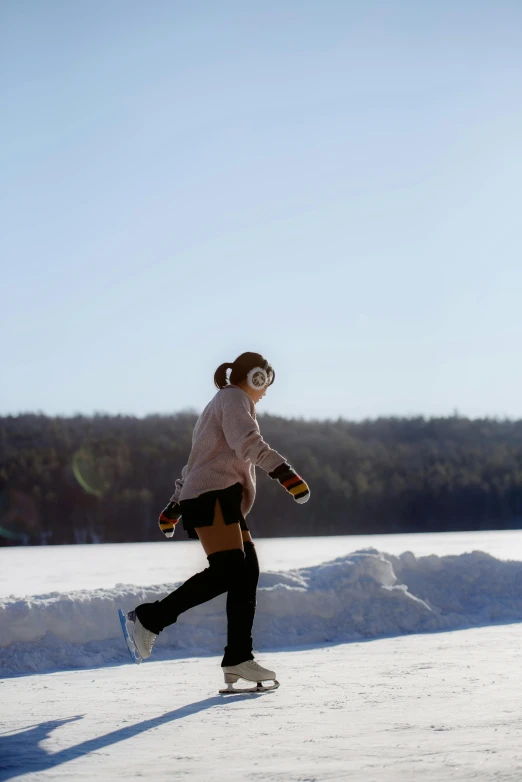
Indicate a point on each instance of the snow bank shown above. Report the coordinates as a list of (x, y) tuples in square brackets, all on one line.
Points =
[(362, 595)]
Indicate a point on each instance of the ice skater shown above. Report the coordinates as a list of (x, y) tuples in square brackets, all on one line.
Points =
[(215, 493)]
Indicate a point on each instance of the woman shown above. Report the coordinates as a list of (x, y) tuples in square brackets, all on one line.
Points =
[(215, 493)]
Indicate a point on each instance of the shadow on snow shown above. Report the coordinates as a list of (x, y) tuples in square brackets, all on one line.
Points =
[(22, 753)]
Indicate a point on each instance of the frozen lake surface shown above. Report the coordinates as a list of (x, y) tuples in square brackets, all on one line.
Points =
[(399, 659), (39, 569), (432, 707)]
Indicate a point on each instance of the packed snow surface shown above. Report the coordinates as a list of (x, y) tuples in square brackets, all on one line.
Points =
[(414, 705), (365, 594), (432, 707), (37, 569)]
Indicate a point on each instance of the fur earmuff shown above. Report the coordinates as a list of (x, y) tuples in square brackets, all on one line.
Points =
[(257, 378)]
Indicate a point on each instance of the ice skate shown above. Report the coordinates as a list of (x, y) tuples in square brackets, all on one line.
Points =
[(252, 672), (134, 654), (143, 638)]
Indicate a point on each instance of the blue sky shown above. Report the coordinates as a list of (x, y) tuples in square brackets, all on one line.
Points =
[(336, 185)]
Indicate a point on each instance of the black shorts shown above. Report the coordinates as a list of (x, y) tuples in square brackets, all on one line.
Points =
[(199, 511)]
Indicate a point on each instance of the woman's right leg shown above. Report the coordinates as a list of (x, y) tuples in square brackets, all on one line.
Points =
[(220, 536), (241, 609), (223, 546), (241, 597)]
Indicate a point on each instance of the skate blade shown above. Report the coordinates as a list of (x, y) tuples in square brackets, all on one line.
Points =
[(259, 687), (134, 654)]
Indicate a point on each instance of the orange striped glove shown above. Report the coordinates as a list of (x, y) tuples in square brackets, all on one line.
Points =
[(168, 519), (292, 482)]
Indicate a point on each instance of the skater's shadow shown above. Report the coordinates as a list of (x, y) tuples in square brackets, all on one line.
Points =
[(21, 753)]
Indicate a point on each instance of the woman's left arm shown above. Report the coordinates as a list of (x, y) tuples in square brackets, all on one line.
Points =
[(179, 485)]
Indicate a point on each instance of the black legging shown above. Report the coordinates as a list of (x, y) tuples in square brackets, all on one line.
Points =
[(229, 571)]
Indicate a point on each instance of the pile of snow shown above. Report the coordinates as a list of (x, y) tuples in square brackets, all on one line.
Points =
[(363, 595)]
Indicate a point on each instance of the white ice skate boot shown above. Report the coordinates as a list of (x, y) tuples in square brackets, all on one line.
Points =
[(252, 672), (143, 638)]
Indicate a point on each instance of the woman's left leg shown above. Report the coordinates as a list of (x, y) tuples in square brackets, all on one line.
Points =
[(241, 608)]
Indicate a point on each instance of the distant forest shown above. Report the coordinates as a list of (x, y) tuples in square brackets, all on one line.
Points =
[(106, 478)]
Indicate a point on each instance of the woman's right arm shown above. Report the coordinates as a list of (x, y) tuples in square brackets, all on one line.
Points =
[(242, 433)]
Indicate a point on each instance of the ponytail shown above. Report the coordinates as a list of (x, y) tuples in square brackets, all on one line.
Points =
[(240, 368), (220, 375)]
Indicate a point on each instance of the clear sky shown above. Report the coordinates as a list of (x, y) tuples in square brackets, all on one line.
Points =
[(337, 185)]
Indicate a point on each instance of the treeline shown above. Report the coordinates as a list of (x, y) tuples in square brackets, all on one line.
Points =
[(105, 478)]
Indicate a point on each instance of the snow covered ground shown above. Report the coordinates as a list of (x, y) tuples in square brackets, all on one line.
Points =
[(39, 569), (443, 706), (398, 661)]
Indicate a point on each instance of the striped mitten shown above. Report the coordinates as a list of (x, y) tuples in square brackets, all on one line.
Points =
[(292, 482), (168, 519)]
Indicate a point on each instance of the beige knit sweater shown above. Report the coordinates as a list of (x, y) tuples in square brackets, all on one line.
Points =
[(226, 447)]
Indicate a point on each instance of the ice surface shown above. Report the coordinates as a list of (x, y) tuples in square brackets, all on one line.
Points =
[(429, 707), (360, 595), (33, 570)]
